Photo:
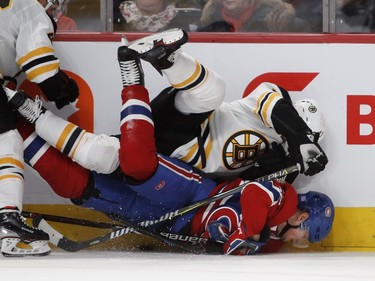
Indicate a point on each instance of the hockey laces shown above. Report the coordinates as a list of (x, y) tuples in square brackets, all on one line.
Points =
[(129, 73), (31, 110)]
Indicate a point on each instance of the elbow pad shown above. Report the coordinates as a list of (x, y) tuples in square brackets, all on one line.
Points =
[(288, 123)]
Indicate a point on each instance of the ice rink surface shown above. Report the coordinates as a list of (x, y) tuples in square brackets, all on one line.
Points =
[(93, 265)]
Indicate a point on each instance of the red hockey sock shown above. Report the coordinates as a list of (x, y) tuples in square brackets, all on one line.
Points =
[(138, 157), (67, 178)]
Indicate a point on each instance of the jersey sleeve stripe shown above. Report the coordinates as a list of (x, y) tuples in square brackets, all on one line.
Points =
[(52, 68), (38, 62), (43, 51), (12, 162), (270, 189), (265, 105)]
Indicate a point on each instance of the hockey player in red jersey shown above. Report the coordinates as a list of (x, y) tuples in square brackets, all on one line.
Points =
[(192, 123), (126, 178), (25, 45)]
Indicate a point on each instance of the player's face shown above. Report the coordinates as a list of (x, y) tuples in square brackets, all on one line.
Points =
[(150, 6), (234, 6), (298, 237)]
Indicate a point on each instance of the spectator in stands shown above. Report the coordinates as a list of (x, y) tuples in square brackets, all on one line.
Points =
[(355, 16), (63, 22), (309, 15), (58, 13), (159, 15), (247, 16)]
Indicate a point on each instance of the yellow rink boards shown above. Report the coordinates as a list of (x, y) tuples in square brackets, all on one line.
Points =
[(353, 230)]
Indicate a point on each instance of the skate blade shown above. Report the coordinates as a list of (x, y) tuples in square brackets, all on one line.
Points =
[(13, 247), (9, 93), (145, 44)]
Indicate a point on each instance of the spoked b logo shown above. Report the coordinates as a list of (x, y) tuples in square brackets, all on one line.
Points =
[(240, 149)]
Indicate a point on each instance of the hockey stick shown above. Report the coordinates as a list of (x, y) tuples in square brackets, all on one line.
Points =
[(190, 244), (186, 239), (75, 221), (62, 242)]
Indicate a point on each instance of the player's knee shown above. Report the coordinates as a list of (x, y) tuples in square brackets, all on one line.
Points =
[(138, 92), (139, 169)]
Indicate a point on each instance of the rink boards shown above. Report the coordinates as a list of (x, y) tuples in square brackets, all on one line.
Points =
[(334, 70)]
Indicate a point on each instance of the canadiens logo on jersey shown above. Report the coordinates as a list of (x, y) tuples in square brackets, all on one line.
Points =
[(240, 149)]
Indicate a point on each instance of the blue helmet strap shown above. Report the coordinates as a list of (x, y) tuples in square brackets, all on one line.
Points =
[(286, 228)]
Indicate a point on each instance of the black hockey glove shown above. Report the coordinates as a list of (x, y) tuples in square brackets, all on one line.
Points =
[(61, 89), (268, 162), (310, 156)]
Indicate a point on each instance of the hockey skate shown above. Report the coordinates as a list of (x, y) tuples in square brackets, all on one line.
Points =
[(159, 48), (130, 65), (30, 109), (19, 240)]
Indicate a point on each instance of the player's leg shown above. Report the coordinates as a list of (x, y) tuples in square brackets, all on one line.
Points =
[(163, 181), (200, 88), (68, 179), (138, 159), (83, 147), (13, 228)]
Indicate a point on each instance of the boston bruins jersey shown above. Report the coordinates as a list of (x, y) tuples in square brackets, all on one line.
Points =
[(26, 40), (234, 133)]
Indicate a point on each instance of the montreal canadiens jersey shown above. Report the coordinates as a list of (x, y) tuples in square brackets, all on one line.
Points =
[(270, 203), (25, 40), (234, 133)]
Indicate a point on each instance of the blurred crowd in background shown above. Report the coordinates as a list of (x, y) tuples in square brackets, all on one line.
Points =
[(309, 16)]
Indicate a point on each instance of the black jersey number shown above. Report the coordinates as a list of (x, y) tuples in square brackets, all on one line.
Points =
[(5, 4)]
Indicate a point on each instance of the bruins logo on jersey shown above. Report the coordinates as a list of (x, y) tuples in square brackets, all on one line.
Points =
[(240, 149), (4, 4)]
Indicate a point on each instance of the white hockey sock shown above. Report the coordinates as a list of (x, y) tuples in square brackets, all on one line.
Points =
[(11, 170), (94, 152), (183, 69)]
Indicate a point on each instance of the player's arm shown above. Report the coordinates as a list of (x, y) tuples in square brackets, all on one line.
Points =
[(253, 232), (303, 146), (36, 56)]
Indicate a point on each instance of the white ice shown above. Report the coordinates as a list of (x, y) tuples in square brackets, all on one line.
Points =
[(93, 265)]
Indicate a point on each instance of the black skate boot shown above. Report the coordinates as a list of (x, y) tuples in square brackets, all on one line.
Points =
[(130, 65), (14, 230), (159, 49), (30, 109)]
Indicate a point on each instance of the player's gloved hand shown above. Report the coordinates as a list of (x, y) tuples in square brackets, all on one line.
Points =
[(310, 156), (218, 231), (61, 89), (238, 244), (267, 162)]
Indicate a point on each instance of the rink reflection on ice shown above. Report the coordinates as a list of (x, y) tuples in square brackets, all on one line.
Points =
[(93, 265)]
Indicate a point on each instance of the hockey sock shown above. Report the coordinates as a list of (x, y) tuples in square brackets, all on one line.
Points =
[(67, 178), (11, 170), (138, 158), (94, 152), (200, 88)]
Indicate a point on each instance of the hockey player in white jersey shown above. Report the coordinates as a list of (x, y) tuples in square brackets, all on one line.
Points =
[(193, 123), (25, 45)]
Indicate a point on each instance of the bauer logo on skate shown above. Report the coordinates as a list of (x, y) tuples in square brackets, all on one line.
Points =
[(240, 149)]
